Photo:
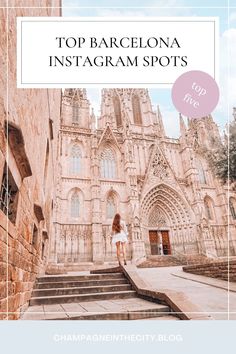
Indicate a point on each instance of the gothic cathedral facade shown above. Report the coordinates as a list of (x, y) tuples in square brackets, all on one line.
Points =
[(123, 162)]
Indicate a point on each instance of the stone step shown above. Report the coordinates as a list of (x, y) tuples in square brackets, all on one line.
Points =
[(218, 269), (137, 309), (60, 278), (210, 268), (106, 270), (159, 311), (208, 273), (216, 265), (60, 299), (195, 259), (71, 284), (159, 261), (163, 318), (80, 290)]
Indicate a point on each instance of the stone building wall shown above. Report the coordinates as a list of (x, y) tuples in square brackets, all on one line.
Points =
[(28, 159), (3, 250)]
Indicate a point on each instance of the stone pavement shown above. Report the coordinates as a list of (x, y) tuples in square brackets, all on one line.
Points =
[(212, 296), (217, 283)]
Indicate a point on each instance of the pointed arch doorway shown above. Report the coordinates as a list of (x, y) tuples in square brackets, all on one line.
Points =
[(159, 239), (166, 211)]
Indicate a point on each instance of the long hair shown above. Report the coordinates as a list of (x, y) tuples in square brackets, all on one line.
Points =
[(116, 223)]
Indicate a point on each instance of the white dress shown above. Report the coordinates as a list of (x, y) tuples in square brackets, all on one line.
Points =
[(121, 236)]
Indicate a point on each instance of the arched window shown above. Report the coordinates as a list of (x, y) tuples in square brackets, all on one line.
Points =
[(76, 159), (232, 208), (136, 110), (108, 164), (208, 208), (201, 172), (117, 110), (75, 205), (111, 206), (76, 114)]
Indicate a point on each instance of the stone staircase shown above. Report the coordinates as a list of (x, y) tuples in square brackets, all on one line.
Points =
[(160, 261), (218, 269), (64, 289), (175, 260), (107, 296), (197, 259)]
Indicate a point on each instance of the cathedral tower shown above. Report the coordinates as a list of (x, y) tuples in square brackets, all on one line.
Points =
[(75, 107), (127, 108)]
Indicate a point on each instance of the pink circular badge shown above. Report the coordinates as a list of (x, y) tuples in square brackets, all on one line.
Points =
[(195, 94)]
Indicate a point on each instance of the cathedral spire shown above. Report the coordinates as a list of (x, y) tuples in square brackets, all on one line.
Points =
[(234, 113), (108, 115), (93, 120), (188, 122), (183, 130), (160, 121), (182, 125)]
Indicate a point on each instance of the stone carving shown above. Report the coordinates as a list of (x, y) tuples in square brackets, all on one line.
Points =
[(75, 244), (159, 166), (157, 218)]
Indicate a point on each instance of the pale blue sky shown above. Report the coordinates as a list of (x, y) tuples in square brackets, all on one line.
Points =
[(143, 3), (162, 97)]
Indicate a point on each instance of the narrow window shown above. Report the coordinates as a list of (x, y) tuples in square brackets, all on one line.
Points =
[(136, 110), (117, 110), (75, 160), (75, 205), (43, 249), (201, 173), (209, 208), (9, 195), (76, 114), (108, 164), (35, 236)]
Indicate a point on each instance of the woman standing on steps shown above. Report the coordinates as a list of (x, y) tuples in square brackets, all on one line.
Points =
[(119, 237)]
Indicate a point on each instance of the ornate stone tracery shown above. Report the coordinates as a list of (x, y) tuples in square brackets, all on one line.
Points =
[(76, 159), (75, 204), (75, 243), (169, 199), (160, 166), (157, 218), (108, 163)]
